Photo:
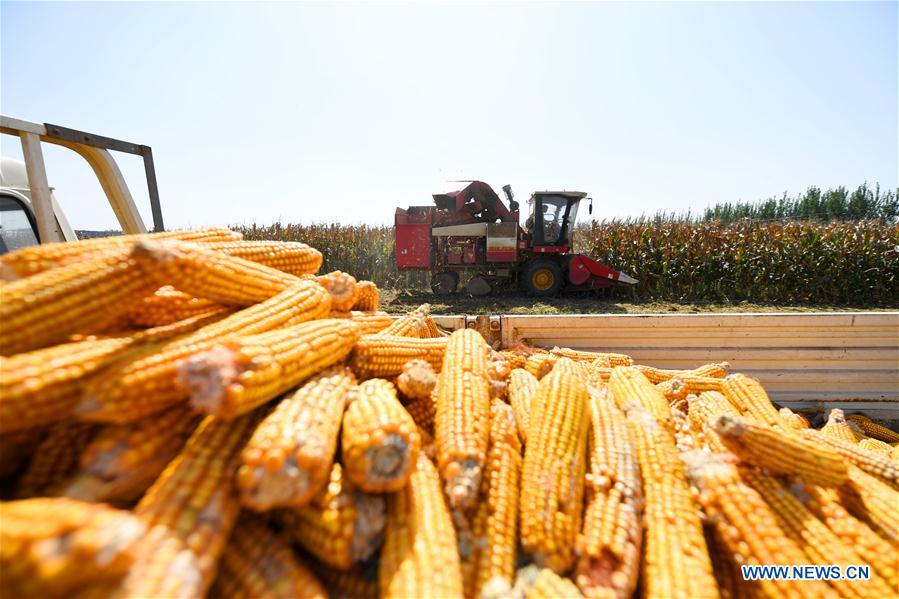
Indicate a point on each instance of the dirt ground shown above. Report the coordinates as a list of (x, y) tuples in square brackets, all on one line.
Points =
[(397, 302)]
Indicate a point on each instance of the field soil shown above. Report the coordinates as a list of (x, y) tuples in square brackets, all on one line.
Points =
[(510, 302)]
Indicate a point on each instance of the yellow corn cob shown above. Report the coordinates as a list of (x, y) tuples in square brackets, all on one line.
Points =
[(873, 463), (55, 457), (820, 544), (340, 526), (51, 547), (383, 356), (412, 324), (419, 557), (289, 456), (495, 554), (680, 387), (379, 440), (675, 557), (825, 504), (370, 322), (423, 411), (287, 256), (873, 501), (238, 375), (462, 421), (627, 385), (704, 408), (515, 359), (146, 381), (792, 419), (839, 428), (589, 356), (16, 448), (522, 390), (416, 381), (609, 543), (342, 288), (433, 329), (34, 259), (46, 308), (876, 446), (355, 582), (684, 438), (208, 274), (190, 511), (122, 461), (658, 375), (258, 564), (727, 571), (748, 396), (550, 585), (552, 481), (747, 525), (539, 365), (780, 452), (872, 429), (165, 306), (895, 454), (367, 298)]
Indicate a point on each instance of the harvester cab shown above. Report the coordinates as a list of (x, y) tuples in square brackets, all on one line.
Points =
[(553, 215)]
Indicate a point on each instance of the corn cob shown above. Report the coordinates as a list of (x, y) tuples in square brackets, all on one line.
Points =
[(727, 572), (704, 408), (675, 557), (894, 455), (416, 381), (433, 329), (875, 445), (874, 430), (342, 288), (55, 457), (419, 557), (412, 324), (355, 582), (462, 420), (747, 525), (825, 504), (238, 375), (383, 356), (779, 452), (792, 419), (873, 463), (367, 298), (820, 544), (748, 396), (678, 388), (684, 438), (495, 556), (35, 259), (589, 356), (121, 462), (379, 440), (258, 564), (45, 309), (290, 454), (839, 428), (16, 448), (287, 256), (522, 390), (552, 481), (515, 359), (145, 381), (539, 365), (872, 501), (658, 375), (211, 275), (627, 385), (423, 412), (190, 511), (609, 543), (340, 526), (51, 547), (165, 306), (370, 322), (549, 585)]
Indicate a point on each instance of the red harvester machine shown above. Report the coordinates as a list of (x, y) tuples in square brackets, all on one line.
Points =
[(473, 230)]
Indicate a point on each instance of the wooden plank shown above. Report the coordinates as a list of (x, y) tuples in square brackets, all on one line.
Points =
[(47, 228)]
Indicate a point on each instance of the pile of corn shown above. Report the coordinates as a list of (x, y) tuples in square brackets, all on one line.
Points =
[(192, 414)]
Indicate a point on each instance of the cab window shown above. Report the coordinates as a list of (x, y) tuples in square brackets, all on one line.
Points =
[(16, 227)]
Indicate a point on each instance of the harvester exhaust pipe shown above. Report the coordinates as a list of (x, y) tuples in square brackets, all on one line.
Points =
[(513, 205)]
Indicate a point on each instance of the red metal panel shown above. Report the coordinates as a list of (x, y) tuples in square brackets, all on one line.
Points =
[(413, 246), (508, 255)]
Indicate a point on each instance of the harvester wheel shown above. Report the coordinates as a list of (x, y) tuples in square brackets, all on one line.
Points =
[(444, 282), (542, 277)]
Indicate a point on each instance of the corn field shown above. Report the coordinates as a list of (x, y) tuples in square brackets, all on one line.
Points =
[(835, 263)]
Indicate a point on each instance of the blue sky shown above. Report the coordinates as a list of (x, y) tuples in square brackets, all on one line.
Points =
[(321, 112)]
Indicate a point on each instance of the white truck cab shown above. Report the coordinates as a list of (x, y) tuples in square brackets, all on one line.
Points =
[(18, 226)]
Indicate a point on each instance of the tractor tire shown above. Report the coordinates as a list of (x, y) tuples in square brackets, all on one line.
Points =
[(542, 277), (444, 282), (478, 287)]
